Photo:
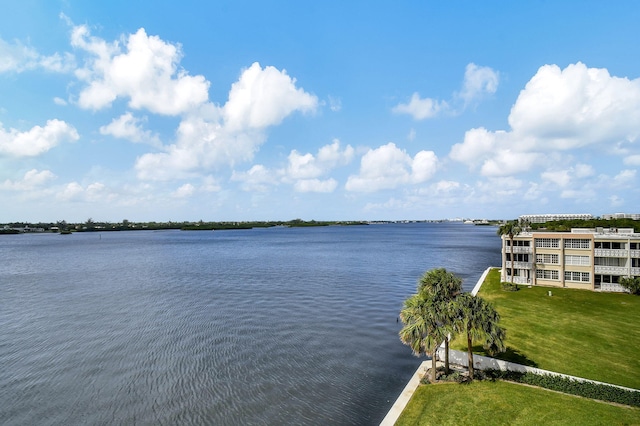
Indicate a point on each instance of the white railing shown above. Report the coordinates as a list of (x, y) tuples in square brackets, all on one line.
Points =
[(518, 265), (519, 249), (611, 253), (635, 271), (617, 288), (617, 270), (633, 253)]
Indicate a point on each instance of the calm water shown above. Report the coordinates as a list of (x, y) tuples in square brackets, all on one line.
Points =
[(258, 327)]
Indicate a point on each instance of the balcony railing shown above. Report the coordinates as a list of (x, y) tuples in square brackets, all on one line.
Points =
[(518, 265), (632, 253), (611, 253), (519, 249), (616, 270)]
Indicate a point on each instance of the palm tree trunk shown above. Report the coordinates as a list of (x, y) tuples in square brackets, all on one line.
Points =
[(433, 367), (446, 355), (470, 356)]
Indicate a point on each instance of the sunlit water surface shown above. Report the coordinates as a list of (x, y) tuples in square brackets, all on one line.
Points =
[(257, 327)]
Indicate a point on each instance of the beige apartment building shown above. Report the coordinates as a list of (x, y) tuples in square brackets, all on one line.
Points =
[(591, 259)]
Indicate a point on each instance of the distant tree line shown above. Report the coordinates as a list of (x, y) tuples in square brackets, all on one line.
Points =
[(566, 225), (92, 226)]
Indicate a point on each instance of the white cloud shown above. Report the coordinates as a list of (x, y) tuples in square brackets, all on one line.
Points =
[(315, 185), (558, 110), (145, 70), (37, 140), (59, 101), (258, 178), (388, 166), (632, 160), (17, 57), (420, 108), (93, 192), (478, 82), (32, 179), (263, 98), (130, 128), (185, 191), (329, 156), (213, 136), (578, 106)]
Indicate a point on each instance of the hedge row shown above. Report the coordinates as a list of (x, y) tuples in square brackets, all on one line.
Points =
[(570, 386)]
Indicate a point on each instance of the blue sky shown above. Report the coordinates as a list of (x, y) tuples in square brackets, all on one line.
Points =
[(329, 110)]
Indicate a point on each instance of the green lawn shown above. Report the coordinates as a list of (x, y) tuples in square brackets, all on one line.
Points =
[(578, 332), (503, 403)]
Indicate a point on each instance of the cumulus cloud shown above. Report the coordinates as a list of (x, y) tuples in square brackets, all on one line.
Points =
[(212, 136), (388, 166), (258, 178), (420, 108), (16, 57), (263, 97), (37, 140), (145, 69), (74, 191), (130, 128), (185, 191), (31, 179), (478, 83), (558, 110), (308, 166)]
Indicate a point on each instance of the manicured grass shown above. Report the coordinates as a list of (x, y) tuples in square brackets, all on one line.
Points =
[(504, 403), (577, 332)]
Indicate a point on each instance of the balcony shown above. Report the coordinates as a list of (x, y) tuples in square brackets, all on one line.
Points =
[(613, 270), (518, 265), (519, 249), (611, 253), (632, 253)]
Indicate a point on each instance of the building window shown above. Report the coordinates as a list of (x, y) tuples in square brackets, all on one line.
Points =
[(518, 257), (608, 279), (577, 243), (518, 243), (547, 258), (610, 245), (610, 261), (546, 274), (577, 260), (547, 242), (634, 246), (635, 263), (576, 276)]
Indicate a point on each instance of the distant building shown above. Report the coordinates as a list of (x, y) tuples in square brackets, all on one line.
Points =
[(634, 216), (542, 218), (592, 259)]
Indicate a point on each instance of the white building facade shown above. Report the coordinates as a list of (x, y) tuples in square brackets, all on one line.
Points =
[(590, 259)]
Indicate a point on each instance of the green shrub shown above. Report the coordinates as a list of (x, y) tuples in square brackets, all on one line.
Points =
[(567, 385)]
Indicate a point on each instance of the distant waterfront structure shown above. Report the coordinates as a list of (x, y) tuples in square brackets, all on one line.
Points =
[(634, 216), (542, 218), (585, 258)]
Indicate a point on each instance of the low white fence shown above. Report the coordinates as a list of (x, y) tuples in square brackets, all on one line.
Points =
[(487, 363)]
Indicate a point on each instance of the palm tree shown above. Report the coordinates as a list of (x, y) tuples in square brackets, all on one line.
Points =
[(421, 331), (480, 322), (510, 229), (631, 283), (443, 287)]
